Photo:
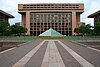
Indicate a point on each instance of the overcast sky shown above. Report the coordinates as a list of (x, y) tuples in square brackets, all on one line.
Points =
[(11, 6)]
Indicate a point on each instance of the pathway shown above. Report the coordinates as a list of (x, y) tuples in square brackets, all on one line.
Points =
[(50, 53)]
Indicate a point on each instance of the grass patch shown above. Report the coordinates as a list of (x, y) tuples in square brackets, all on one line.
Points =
[(29, 38), (18, 39), (50, 37), (82, 38)]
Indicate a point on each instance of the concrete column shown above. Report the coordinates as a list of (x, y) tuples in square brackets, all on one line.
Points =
[(73, 22), (77, 19), (28, 22), (23, 23)]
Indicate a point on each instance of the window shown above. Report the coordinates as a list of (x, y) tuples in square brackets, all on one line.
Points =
[(1, 17)]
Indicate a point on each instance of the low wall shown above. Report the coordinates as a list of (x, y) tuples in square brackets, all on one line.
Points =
[(88, 40), (5, 44), (52, 37)]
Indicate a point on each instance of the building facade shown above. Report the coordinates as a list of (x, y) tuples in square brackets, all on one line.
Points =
[(96, 16), (38, 18), (4, 16)]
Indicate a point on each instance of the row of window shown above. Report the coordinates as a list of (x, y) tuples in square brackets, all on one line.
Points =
[(50, 17), (60, 26), (97, 18), (59, 29), (3, 18), (36, 6), (46, 25), (51, 5), (36, 33), (27, 7), (49, 23)]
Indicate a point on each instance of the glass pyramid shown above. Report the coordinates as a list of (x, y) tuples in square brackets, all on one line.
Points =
[(51, 32)]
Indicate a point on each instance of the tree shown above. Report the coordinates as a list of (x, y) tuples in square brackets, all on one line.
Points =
[(84, 30), (80, 30), (4, 28), (76, 30), (88, 29), (96, 28), (18, 30), (13, 29), (21, 30)]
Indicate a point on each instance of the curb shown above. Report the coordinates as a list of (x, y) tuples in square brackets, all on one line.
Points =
[(79, 43), (14, 47), (85, 46), (23, 43), (7, 50)]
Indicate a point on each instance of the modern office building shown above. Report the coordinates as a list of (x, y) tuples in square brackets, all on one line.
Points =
[(4, 16), (38, 18), (96, 16)]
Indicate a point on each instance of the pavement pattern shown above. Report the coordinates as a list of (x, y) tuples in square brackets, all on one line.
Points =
[(50, 53)]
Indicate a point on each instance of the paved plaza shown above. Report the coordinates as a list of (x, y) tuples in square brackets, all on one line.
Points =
[(50, 53)]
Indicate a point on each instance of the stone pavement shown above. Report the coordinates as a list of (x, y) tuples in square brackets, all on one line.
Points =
[(50, 53)]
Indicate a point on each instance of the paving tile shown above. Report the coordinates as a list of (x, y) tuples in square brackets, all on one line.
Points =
[(36, 59), (91, 56), (68, 60), (9, 58), (55, 55)]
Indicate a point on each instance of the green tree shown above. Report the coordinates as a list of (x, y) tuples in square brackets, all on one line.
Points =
[(18, 30), (84, 30), (76, 30), (88, 29), (4, 28), (96, 28), (13, 29), (21, 30), (80, 30)]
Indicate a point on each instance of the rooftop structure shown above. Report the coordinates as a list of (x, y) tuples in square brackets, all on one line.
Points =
[(96, 16), (4, 16)]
